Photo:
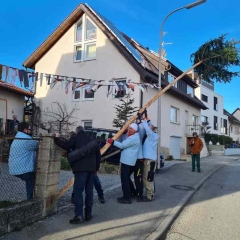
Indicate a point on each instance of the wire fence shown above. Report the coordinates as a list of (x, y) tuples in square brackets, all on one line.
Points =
[(17, 169)]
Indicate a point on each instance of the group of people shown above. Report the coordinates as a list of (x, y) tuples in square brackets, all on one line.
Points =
[(138, 158)]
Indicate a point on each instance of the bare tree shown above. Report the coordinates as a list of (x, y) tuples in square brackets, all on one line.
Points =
[(57, 118)]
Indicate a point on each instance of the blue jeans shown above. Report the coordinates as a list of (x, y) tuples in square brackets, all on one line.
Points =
[(83, 181), (29, 178), (98, 186)]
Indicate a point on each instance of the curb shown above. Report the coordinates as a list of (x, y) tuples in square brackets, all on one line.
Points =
[(173, 214)]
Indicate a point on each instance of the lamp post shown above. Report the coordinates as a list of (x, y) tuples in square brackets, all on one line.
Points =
[(189, 6)]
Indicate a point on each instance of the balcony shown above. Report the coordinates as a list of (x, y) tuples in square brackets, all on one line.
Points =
[(189, 129)]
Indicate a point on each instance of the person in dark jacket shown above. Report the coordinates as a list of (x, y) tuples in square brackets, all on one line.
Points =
[(84, 160)]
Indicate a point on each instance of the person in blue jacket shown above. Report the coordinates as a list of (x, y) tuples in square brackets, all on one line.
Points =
[(22, 158), (128, 159), (150, 158)]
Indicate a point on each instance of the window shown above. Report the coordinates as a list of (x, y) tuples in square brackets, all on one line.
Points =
[(87, 123), (190, 91), (215, 103), (204, 119), (76, 94), (204, 98), (194, 120), (225, 125), (78, 53), (85, 40), (171, 78), (121, 89), (174, 118), (88, 94), (215, 123)]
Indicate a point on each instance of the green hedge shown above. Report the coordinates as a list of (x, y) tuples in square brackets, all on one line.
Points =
[(223, 140)]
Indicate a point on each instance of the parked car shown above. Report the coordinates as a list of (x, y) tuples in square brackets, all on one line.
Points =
[(102, 134)]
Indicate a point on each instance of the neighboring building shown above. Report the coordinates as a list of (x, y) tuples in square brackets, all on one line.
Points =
[(87, 45), (12, 101), (234, 126), (214, 115)]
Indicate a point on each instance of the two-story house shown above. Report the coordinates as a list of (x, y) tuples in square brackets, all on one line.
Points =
[(233, 125), (87, 45)]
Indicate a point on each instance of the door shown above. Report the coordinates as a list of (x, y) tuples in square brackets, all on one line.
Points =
[(175, 147)]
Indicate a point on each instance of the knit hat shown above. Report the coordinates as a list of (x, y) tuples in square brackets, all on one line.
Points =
[(134, 126)]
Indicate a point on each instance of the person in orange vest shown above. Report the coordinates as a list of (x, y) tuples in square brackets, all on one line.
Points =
[(196, 146)]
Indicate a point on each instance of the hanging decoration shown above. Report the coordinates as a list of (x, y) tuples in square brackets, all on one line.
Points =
[(14, 76)]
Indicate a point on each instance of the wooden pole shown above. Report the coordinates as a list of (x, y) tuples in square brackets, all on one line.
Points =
[(124, 128)]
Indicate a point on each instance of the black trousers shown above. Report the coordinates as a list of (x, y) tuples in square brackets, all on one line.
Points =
[(137, 170), (125, 176)]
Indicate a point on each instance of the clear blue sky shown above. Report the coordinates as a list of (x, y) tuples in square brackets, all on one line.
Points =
[(25, 24)]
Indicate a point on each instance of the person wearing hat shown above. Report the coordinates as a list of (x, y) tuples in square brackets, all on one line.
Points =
[(196, 146), (128, 159)]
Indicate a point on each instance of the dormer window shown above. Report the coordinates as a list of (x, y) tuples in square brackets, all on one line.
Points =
[(85, 40)]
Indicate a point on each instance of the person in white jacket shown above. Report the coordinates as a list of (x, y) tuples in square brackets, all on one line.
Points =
[(128, 159), (150, 157)]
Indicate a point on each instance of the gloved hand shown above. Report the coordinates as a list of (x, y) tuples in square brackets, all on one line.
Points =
[(110, 141)]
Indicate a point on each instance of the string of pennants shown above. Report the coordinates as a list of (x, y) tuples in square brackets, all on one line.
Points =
[(114, 86)]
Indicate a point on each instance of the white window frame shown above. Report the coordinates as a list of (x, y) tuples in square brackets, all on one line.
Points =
[(194, 120), (190, 91), (176, 120), (172, 79), (120, 80), (84, 41), (73, 94), (83, 95), (87, 121)]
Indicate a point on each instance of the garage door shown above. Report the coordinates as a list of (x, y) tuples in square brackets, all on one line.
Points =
[(175, 147)]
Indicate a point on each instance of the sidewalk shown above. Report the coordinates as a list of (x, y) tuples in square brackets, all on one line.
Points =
[(149, 220)]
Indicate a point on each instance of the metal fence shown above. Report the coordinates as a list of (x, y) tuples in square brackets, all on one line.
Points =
[(12, 187)]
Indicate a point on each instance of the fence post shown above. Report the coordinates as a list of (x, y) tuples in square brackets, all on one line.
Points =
[(48, 173)]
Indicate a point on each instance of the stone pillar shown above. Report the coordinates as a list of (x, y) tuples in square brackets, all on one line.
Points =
[(48, 173)]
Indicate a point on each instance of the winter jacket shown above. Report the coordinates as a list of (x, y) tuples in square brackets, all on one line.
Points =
[(129, 148), (87, 163), (196, 145), (22, 158), (150, 144)]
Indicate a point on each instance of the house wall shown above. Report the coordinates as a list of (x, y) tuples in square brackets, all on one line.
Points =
[(237, 114), (15, 105), (210, 112), (168, 129), (234, 132), (109, 64)]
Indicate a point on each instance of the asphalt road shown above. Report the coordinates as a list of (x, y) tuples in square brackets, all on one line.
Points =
[(213, 211)]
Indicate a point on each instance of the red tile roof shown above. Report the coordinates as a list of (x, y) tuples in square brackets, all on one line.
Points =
[(12, 88)]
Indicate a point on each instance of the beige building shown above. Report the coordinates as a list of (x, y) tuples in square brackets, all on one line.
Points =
[(87, 45), (12, 102)]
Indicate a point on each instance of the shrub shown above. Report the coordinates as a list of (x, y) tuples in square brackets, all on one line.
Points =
[(170, 157), (215, 138)]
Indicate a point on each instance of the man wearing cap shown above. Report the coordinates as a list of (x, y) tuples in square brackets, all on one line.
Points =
[(196, 146), (150, 158), (128, 159)]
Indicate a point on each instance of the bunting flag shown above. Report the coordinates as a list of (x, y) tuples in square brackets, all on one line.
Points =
[(27, 80)]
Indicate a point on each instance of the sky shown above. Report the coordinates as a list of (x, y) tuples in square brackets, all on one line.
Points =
[(25, 24)]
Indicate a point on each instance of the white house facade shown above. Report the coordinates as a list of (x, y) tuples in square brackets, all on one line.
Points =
[(86, 45)]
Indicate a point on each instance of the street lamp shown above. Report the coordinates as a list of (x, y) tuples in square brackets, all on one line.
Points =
[(189, 6)]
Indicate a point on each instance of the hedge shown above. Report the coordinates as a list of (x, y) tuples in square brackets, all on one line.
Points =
[(215, 138)]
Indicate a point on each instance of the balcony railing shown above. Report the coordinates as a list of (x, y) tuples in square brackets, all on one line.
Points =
[(189, 129)]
